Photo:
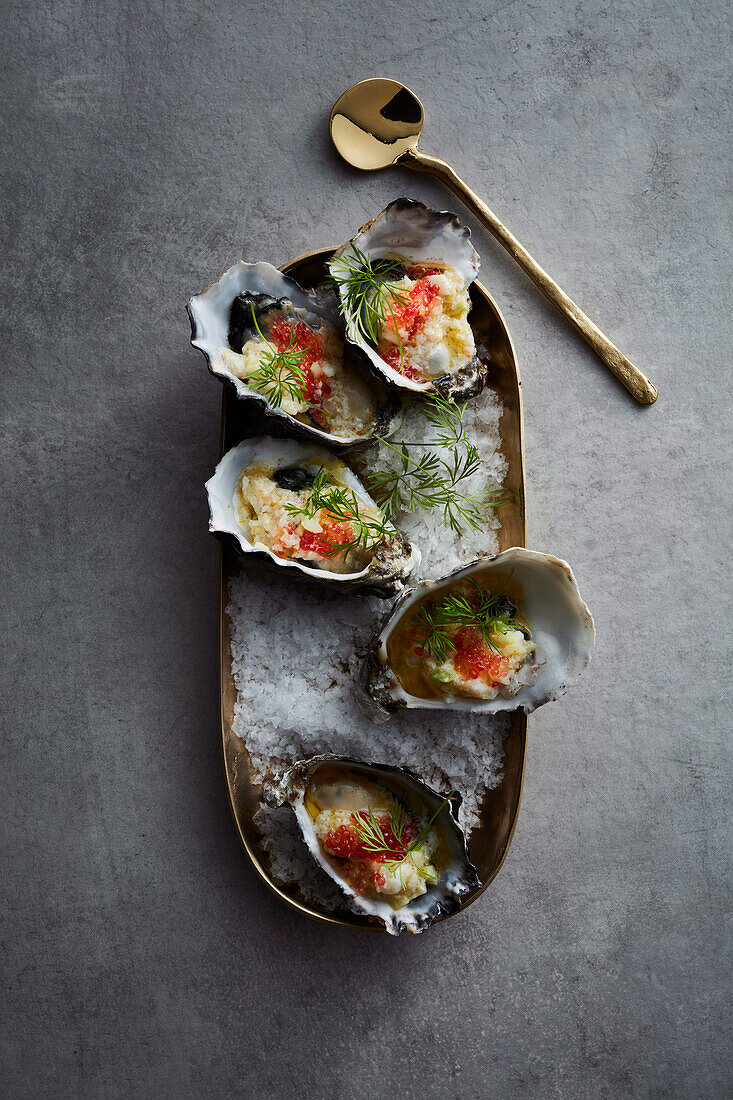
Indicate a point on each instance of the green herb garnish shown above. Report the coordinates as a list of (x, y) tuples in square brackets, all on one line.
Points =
[(372, 836), (368, 296), (438, 620), (433, 480), (280, 374), (370, 832), (342, 504)]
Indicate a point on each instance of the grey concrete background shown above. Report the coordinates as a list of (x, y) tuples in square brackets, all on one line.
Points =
[(147, 147)]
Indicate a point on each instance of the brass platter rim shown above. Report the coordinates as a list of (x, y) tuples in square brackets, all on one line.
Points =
[(224, 663)]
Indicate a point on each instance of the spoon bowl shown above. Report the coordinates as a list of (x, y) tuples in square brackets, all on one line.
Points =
[(375, 122)]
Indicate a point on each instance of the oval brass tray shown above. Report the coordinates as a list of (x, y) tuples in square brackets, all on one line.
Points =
[(491, 840)]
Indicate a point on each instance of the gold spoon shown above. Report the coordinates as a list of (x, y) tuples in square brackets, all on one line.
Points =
[(377, 123)]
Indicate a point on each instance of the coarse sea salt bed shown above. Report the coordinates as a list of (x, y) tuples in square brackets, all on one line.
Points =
[(297, 652)]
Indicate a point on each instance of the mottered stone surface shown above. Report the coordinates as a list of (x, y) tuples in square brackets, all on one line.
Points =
[(149, 146)]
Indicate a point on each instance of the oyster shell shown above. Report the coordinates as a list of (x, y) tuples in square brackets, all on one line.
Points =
[(292, 465), (325, 789), (222, 314), (555, 623), (410, 231)]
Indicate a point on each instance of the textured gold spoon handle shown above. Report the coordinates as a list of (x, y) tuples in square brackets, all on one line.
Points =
[(630, 376)]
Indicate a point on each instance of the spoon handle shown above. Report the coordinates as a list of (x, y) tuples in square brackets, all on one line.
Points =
[(628, 375)]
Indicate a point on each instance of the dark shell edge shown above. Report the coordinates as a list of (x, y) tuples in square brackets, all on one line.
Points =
[(446, 217)]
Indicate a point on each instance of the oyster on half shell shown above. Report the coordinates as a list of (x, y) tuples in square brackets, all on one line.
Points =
[(392, 844), (426, 263), (334, 395), (251, 496), (501, 633)]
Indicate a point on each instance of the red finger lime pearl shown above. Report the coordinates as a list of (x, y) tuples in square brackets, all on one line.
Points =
[(326, 543), (474, 659), (308, 342), (346, 842), (334, 535), (407, 318)]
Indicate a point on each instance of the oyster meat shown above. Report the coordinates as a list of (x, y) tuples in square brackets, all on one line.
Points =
[(278, 346), (306, 510), (404, 286), (391, 843), (507, 632)]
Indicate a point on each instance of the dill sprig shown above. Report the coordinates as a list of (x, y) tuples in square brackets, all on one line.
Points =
[(370, 831), (280, 374), (373, 839), (342, 504), (438, 621), (434, 480), (368, 295)]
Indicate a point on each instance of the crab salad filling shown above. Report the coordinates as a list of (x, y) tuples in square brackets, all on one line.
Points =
[(278, 511), (469, 641), (425, 332), (373, 841)]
